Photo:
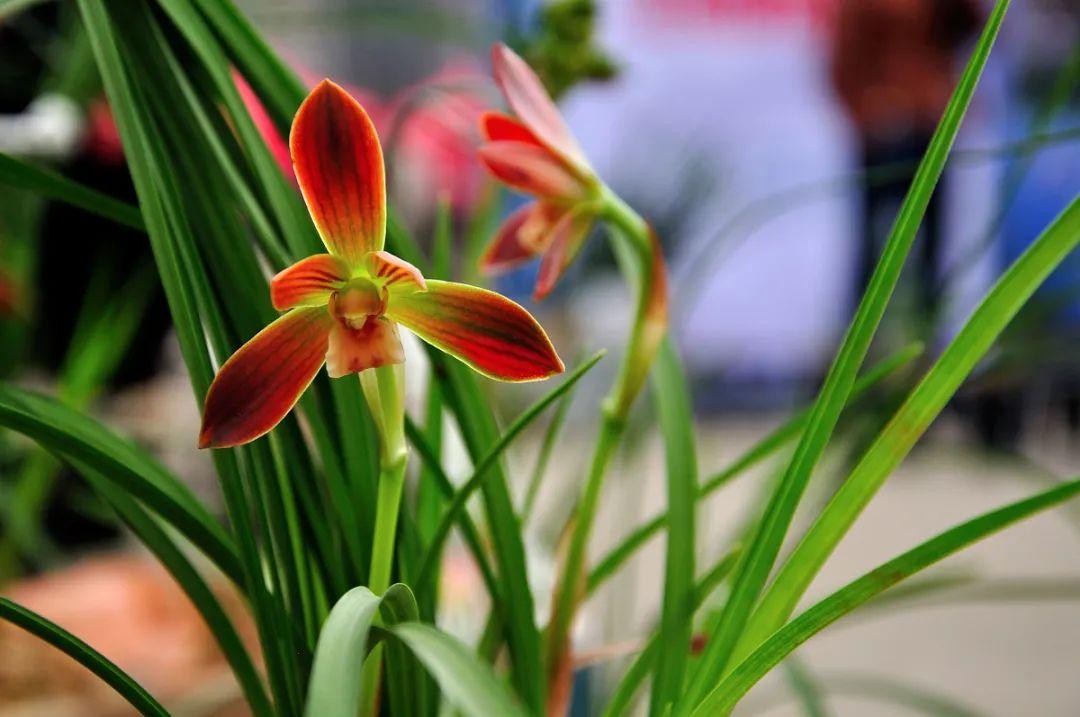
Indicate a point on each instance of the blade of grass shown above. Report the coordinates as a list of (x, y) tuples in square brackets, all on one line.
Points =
[(922, 406), (672, 399), (622, 699), (68, 434), (483, 468), (767, 446), (776, 519), (188, 578), (805, 688), (85, 655), (23, 175), (783, 642)]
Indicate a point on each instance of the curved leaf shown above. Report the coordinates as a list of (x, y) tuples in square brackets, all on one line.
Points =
[(70, 435), (85, 655), (457, 505), (730, 690), (466, 682)]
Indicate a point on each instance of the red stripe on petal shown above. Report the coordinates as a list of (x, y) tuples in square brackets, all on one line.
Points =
[(395, 272), (530, 101), (308, 282), (532, 169), (339, 166), (486, 330), (497, 127), (565, 242), (507, 250), (265, 378)]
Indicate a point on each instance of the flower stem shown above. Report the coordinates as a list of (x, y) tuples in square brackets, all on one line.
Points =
[(638, 256), (384, 391)]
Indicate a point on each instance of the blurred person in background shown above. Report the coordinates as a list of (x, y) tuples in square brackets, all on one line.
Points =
[(893, 66)]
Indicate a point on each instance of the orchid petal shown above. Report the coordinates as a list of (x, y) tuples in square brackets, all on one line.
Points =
[(395, 272), (497, 127), (507, 250), (532, 169), (565, 242), (265, 378), (339, 166), (531, 103), (374, 344), (308, 282), (486, 330)]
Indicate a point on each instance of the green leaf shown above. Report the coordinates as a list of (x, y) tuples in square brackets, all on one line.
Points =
[(976, 337), (483, 468), (783, 642), (467, 683), (670, 393), (769, 534), (334, 685), (480, 431), (22, 175), (767, 446), (634, 677), (166, 551), (85, 655), (70, 435)]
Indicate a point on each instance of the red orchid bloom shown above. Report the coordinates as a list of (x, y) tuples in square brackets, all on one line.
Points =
[(342, 308), (535, 153)]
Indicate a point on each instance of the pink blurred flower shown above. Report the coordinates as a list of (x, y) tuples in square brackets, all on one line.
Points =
[(429, 130)]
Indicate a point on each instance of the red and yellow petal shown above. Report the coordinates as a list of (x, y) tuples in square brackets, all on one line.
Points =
[(497, 127), (507, 250), (565, 242), (308, 282), (532, 169), (339, 166), (374, 344), (486, 330), (395, 272), (265, 378), (531, 103)]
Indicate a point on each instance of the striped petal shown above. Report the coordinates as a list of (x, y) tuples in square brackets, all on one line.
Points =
[(532, 169), (339, 167), (265, 378), (531, 103), (394, 271), (566, 240), (507, 250), (497, 127), (374, 344), (486, 330), (308, 282)]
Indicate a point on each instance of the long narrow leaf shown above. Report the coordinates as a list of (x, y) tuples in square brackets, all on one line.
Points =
[(913, 418), (727, 693), (771, 530), (22, 175), (85, 655)]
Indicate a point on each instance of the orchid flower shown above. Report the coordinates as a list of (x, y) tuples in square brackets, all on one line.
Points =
[(535, 152), (343, 308)]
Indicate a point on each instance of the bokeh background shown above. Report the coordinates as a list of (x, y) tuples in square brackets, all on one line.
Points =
[(770, 142)]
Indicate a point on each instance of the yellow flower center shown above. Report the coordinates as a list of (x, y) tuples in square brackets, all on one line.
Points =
[(353, 303)]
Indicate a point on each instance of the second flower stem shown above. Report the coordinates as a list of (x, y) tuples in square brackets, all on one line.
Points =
[(637, 253)]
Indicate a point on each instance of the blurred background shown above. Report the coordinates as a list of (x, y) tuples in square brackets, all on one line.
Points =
[(770, 142)]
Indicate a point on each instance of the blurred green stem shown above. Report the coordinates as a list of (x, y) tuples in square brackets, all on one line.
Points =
[(384, 390), (638, 257)]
